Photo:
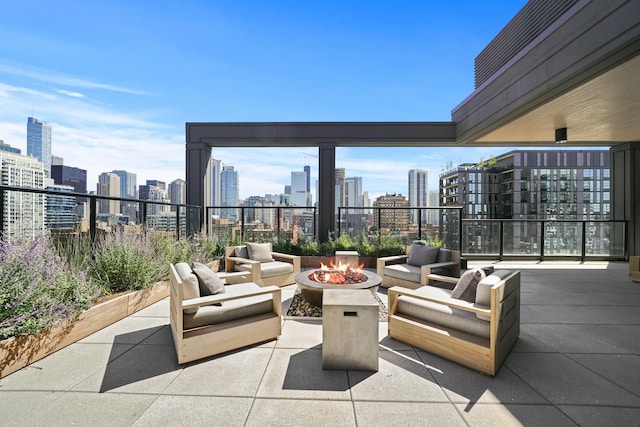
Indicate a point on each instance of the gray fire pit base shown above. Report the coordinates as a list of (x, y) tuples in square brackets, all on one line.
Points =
[(349, 330)]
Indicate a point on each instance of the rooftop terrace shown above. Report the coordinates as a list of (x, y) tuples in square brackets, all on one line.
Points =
[(577, 362)]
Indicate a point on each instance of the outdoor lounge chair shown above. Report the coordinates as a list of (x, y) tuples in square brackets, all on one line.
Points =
[(477, 331), (412, 270), (240, 315), (265, 266)]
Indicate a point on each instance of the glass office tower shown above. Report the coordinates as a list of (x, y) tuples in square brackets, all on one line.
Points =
[(39, 142)]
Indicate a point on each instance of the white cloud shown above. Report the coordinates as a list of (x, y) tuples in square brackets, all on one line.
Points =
[(96, 137), (70, 93), (61, 79)]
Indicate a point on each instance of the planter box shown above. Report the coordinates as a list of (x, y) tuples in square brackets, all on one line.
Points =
[(18, 352)]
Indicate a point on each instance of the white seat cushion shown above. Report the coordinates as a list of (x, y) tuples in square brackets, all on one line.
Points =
[(269, 269), (441, 314), (231, 310), (407, 272)]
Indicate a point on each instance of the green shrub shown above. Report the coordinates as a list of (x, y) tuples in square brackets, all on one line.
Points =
[(124, 262)]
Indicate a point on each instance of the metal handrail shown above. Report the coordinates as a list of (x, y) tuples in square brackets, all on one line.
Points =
[(93, 198)]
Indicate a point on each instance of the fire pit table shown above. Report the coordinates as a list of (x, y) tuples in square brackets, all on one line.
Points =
[(311, 283)]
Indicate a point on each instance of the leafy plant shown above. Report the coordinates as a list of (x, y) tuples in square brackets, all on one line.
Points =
[(365, 245)]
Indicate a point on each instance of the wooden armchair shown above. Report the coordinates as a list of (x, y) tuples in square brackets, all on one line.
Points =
[(477, 334), (243, 315), (412, 271), (265, 266)]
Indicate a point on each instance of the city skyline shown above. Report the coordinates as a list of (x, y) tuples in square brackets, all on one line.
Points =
[(124, 106)]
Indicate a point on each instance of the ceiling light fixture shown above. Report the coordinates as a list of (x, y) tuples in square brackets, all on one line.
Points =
[(561, 135)]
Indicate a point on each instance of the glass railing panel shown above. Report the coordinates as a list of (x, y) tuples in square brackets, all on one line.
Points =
[(605, 239), (563, 238), (521, 238), (481, 237)]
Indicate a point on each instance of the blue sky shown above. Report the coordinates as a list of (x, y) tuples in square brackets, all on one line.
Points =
[(117, 80)]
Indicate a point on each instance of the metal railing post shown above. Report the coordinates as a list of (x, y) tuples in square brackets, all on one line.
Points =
[(584, 240), (143, 214), (278, 218), (542, 240), (177, 222), (92, 219), (501, 250), (460, 230), (242, 237), (2, 193), (379, 224), (207, 216)]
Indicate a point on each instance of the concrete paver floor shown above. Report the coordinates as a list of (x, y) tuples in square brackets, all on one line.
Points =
[(577, 362)]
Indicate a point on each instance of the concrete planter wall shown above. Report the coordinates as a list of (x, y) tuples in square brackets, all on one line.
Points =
[(18, 352)]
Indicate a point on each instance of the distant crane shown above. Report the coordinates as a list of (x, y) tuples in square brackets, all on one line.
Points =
[(306, 156)]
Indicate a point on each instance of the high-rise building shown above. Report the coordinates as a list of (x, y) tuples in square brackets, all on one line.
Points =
[(340, 174), (230, 192), (299, 193), (8, 148), (353, 193), (108, 185), (128, 183), (366, 203), (418, 194), (60, 211), (72, 176), (24, 214), (160, 184), (391, 219), (177, 192), (534, 185), (153, 192), (433, 215), (216, 185), (128, 189), (307, 172), (75, 178), (39, 142)]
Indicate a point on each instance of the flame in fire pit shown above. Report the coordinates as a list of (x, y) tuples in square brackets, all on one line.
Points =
[(340, 275)]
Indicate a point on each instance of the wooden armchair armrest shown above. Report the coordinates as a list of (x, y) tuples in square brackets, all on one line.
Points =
[(459, 304), (441, 278), (393, 259), (238, 260), (214, 299), (425, 270), (389, 260), (292, 259), (231, 261), (283, 257), (224, 275)]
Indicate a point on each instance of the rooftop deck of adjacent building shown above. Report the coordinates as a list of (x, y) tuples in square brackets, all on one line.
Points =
[(577, 362)]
